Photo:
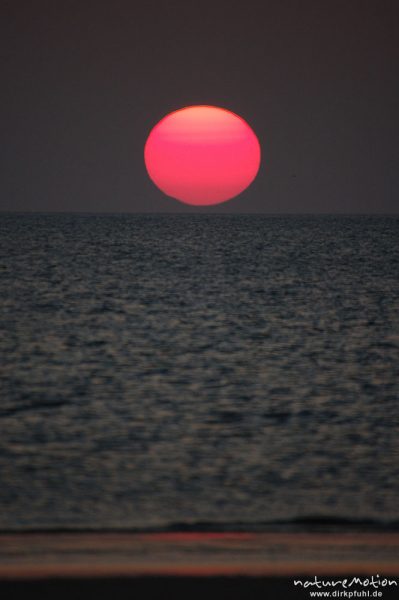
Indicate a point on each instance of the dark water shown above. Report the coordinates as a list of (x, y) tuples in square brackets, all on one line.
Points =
[(163, 370)]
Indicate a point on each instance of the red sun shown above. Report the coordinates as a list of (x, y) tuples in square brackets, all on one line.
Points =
[(202, 155)]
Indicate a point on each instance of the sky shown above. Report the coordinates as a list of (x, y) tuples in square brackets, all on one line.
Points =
[(83, 83)]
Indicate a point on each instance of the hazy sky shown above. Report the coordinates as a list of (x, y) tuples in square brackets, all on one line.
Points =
[(83, 83)]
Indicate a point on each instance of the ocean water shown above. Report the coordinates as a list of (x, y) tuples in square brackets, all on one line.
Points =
[(183, 371)]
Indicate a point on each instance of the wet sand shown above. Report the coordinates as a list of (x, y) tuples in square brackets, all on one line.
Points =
[(190, 565)]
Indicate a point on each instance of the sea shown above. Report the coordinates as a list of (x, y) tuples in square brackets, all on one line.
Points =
[(210, 372)]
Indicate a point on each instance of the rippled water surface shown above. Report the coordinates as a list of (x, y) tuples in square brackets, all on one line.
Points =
[(189, 369)]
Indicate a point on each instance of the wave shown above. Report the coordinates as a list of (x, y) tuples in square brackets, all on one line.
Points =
[(308, 524)]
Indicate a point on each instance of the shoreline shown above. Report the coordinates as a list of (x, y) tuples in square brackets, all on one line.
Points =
[(118, 555)]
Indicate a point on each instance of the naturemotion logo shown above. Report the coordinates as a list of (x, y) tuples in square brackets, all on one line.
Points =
[(366, 587)]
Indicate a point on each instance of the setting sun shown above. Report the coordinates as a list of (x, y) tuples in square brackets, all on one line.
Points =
[(202, 155)]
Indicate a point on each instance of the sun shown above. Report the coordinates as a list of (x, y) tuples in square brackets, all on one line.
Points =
[(202, 155)]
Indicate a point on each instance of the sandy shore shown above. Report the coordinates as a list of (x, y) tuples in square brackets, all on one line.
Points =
[(191, 565)]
